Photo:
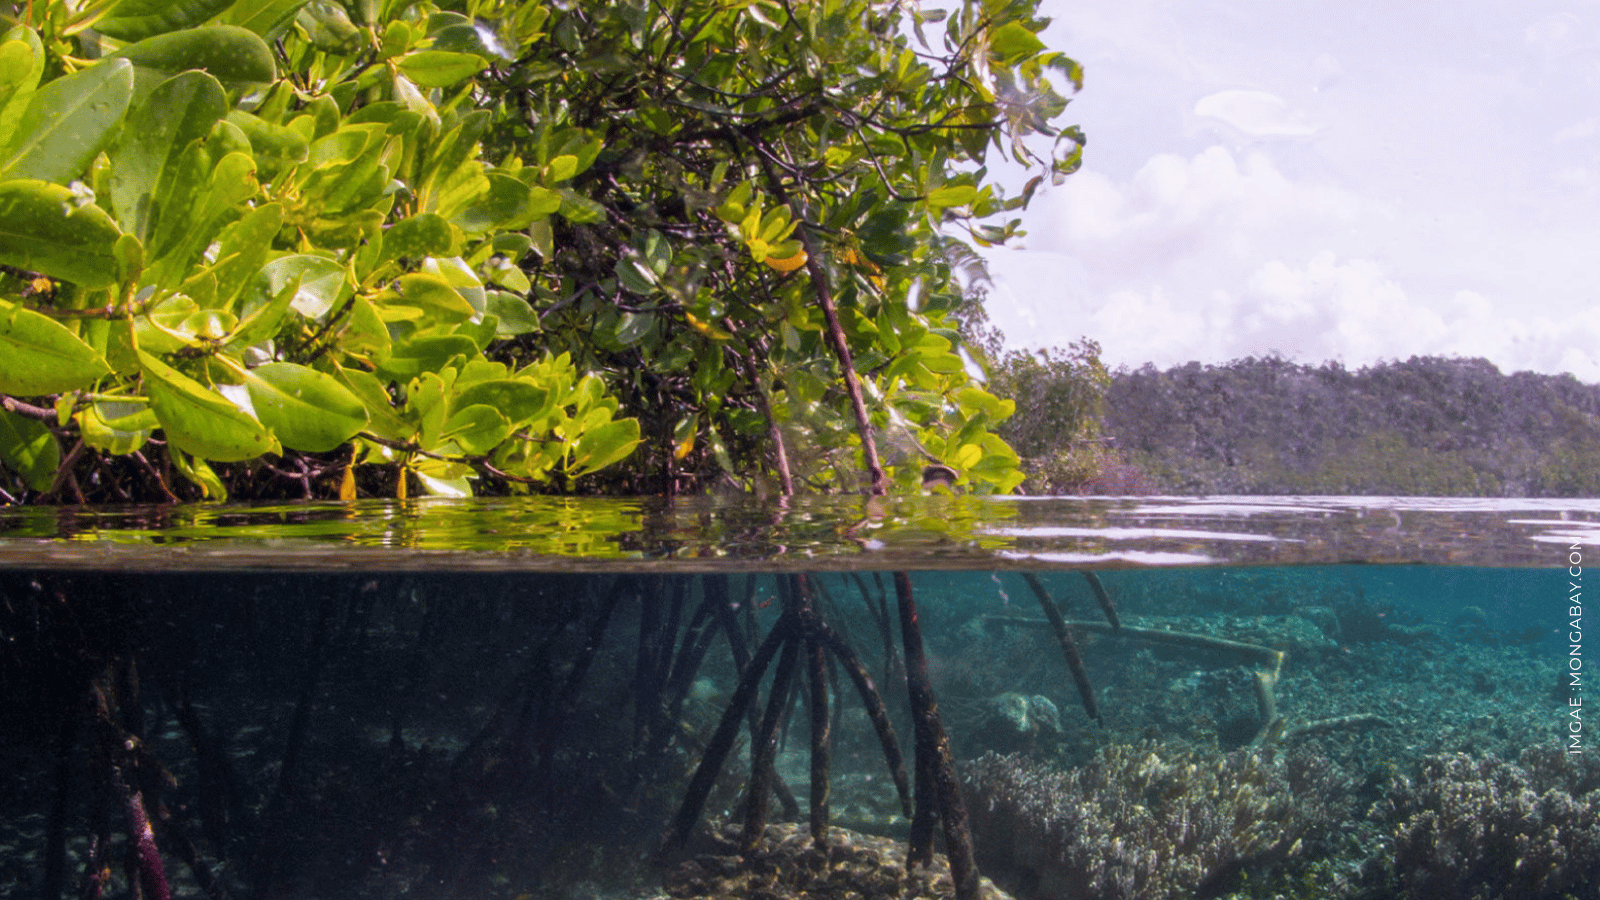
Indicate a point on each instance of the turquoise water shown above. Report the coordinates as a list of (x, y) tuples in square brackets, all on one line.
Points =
[(297, 717)]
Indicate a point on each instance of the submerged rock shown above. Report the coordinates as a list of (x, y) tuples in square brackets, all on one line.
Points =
[(1015, 721)]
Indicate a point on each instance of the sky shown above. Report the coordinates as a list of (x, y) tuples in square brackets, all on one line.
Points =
[(1353, 181)]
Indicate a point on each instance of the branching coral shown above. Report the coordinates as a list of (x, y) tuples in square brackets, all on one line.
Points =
[(1483, 829), (1137, 825)]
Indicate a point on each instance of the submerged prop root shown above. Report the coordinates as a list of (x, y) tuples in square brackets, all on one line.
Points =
[(152, 875), (1103, 598), (1069, 647), (1267, 703), (1354, 720), (694, 799), (1272, 658), (936, 768), (877, 712)]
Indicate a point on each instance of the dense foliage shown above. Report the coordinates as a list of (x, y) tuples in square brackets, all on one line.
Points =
[(386, 247), (1425, 426), (1057, 430)]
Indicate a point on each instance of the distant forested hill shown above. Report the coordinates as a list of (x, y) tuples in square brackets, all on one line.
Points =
[(1428, 425)]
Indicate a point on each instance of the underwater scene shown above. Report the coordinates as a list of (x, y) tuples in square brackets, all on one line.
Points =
[(1226, 731)]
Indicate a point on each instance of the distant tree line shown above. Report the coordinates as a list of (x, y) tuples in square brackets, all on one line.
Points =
[(1425, 426)]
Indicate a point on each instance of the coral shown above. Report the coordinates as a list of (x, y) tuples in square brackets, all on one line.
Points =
[(1137, 825), (1483, 829)]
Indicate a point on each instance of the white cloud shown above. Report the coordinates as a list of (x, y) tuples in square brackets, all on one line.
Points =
[(1202, 214), (1256, 113)]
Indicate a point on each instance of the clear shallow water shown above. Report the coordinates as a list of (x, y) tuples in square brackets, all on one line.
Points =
[(511, 700)]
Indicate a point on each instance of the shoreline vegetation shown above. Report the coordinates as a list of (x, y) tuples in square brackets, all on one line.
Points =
[(1425, 426)]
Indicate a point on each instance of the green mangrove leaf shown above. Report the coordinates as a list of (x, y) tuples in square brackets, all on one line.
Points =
[(460, 189), (242, 249), (427, 406), (578, 209), (607, 444), (472, 37), (459, 275), (38, 355), (382, 420), (952, 195), (145, 157), (513, 314), (1013, 42), (200, 472), (365, 333), (329, 27), (275, 147), (117, 426), (323, 282), (264, 318), (397, 39), (365, 12), (440, 68), (508, 204), (47, 228), (21, 67), (425, 234), (453, 149), (477, 429), (201, 421), (29, 449), (184, 191), (635, 275), (306, 409), (521, 401), (235, 56), (135, 20), (441, 478), (434, 295), (425, 354), (232, 183), (262, 17), (163, 327), (67, 122), (634, 327)]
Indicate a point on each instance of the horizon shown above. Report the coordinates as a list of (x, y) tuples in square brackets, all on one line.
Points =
[(1123, 368)]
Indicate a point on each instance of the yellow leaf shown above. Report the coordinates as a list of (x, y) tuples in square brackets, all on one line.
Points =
[(710, 331), (347, 486), (684, 434), (789, 263)]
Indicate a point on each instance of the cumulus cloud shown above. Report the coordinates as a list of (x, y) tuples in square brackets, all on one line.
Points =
[(1204, 221), (1176, 208), (1214, 258), (1256, 113)]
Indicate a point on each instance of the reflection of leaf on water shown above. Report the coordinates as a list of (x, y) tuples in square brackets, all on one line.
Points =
[(823, 532)]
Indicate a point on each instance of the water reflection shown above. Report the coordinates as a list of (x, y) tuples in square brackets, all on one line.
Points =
[(821, 533)]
